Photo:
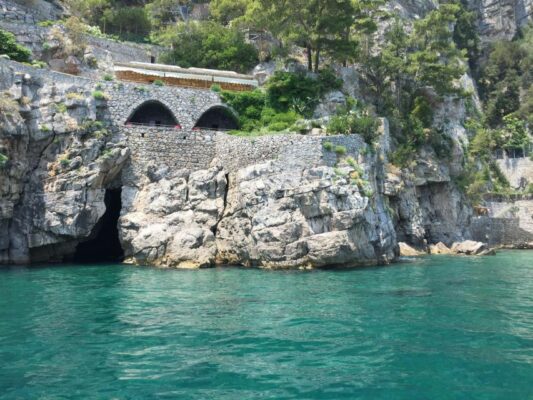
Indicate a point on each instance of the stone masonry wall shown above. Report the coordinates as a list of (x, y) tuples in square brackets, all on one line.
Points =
[(518, 171), (186, 104), (308, 151), (169, 147)]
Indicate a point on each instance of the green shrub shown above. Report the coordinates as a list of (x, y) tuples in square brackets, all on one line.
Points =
[(61, 108), (354, 118), (10, 47), (108, 77), (46, 24), (403, 155), (340, 150), (99, 95), (299, 92), (141, 89), (328, 146), (159, 82), (216, 88), (39, 64), (3, 160)]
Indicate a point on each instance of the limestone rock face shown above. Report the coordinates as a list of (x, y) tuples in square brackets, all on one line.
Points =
[(170, 220), (266, 216), (279, 218), (469, 248), (440, 248), (60, 160), (409, 251)]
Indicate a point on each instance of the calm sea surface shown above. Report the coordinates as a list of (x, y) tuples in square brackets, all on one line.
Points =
[(434, 328)]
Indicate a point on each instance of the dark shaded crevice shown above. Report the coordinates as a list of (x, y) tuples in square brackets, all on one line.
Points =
[(104, 243), (214, 229)]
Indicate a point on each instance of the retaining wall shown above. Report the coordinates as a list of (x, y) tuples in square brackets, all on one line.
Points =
[(518, 171)]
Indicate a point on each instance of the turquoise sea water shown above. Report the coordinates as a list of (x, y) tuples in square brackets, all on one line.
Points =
[(434, 328)]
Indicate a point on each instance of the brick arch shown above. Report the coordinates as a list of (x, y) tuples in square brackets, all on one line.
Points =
[(156, 112), (218, 116)]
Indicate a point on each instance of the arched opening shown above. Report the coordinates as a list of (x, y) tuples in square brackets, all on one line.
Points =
[(217, 118), (104, 243), (153, 113)]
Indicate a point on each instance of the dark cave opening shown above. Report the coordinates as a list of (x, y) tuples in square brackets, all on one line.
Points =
[(104, 243)]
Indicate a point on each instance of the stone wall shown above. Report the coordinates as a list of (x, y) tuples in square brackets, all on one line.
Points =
[(518, 171), (304, 151), (168, 147), (508, 223), (199, 149), (500, 232), (186, 104)]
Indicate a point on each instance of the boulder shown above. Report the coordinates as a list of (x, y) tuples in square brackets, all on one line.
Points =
[(440, 248), (408, 251), (470, 248)]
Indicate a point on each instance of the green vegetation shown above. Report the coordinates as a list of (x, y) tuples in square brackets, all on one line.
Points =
[(503, 77), (328, 146), (340, 150), (108, 77), (99, 95), (287, 98), (3, 160), (207, 45), (354, 118), (93, 128), (159, 82), (10, 47), (299, 92), (60, 108)]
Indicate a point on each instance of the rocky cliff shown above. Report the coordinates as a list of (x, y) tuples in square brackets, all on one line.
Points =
[(62, 153)]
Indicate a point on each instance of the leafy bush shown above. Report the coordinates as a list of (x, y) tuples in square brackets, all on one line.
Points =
[(108, 77), (207, 45), (340, 150), (10, 47), (159, 82), (248, 105), (216, 88), (328, 146), (299, 92), (99, 95), (3, 160), (355, 118)]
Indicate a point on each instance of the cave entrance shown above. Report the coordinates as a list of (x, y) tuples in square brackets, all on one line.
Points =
[(217, 118), (104, 243)]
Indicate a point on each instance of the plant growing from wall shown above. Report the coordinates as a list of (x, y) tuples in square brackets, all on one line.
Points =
[(3, 160), (10, 47)]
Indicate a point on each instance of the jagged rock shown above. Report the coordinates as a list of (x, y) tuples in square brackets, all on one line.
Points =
[(280, 218), (408, 251), (440, 248), (170, 220), (330, 104), (470, 248)]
